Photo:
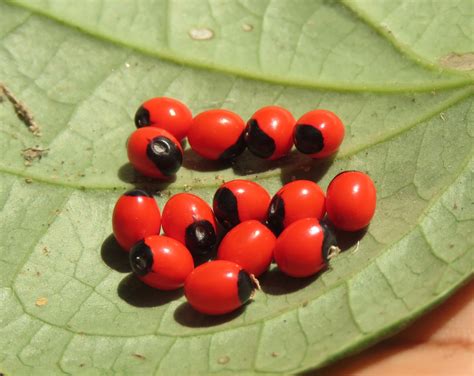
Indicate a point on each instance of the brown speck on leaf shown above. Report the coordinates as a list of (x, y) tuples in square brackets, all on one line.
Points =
[(187, 188), (41, 302), (202, 33), (28, 181), (455, 206), (274, 354), (81, 365), (223, 359), (139, 356), (247, 27), (33, 153), (21, 111), (305, 303), (462, 62), (45, 251), (38, 274)]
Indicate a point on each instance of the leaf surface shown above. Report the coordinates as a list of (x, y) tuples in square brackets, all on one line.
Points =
[(68, 302)]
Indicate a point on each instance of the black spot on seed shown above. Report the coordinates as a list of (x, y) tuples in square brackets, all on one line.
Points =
[(225, 208), (141, 258), (308, 139), (245, 286), (137, 193), (258, 142), (142, 117), (276, 215), (329, 240), (200, 238), (234, 150), (165, 154)]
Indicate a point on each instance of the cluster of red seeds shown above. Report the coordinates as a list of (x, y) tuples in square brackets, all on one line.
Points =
[(155, 150), (245, 229)]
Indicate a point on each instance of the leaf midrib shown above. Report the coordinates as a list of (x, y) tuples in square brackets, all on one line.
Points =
[(167, 54)]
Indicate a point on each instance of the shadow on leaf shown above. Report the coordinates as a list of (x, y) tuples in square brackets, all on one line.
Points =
[(346, 239), (303, 167), (187, 316), (128, 174), (195, 162), (114, 256), (137, 294), (248, 164), (274, 282)]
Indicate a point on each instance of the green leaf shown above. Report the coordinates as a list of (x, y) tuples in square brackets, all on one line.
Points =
[(68, 302)]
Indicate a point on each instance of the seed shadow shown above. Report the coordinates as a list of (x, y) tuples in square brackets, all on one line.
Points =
[(248, 164), (114, 256), (136, 293), (193, 161), (274, 282), (305, 168), (346, 239), (188, 316), (128, 174)]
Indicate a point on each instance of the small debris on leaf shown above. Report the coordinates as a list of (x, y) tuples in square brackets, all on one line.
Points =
[(28, 181), (247, 27), (223, 360), (274, 354), (21, 111), (201, 34), (356, 249), (139, 356), (462, 62), (30, 154), (41, 302)]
